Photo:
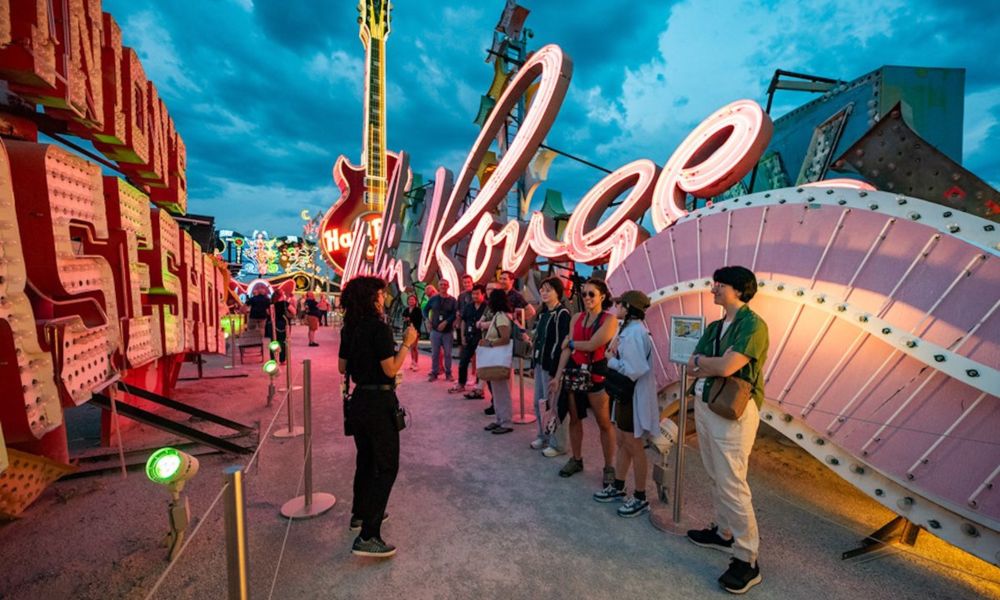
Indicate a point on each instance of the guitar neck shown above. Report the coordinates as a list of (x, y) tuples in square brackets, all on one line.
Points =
[(374, 158)]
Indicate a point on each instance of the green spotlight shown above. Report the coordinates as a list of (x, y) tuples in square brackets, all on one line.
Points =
[(271, 368), (275, 345), (171, 467)]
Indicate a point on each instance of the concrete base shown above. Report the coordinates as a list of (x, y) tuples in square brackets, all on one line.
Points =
[(296, 507)]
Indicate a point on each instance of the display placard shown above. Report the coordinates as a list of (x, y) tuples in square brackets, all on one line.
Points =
[(685, 331)]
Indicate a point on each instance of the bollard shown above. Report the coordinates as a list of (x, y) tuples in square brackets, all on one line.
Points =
[(236, 535), (522, 418), (233, 341), (288, 358), (311, 504)]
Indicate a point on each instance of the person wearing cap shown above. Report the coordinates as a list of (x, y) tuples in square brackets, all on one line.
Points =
[(631, 354)]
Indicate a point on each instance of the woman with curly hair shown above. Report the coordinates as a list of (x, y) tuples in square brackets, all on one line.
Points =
[(369, 359)]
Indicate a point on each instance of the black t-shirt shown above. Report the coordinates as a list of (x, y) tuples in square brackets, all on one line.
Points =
[(312, 309), (414, 316), (364, 346), (280, 313), (259, 305), (470, 320)]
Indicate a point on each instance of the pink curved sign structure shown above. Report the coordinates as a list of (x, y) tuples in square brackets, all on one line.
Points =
[(884, 315)]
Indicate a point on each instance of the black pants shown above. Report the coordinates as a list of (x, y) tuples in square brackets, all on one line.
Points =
[(468, 352), (377, 441)]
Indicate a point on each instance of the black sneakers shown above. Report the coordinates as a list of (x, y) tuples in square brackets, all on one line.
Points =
[(375, 548), (740, 576), (710, 538)]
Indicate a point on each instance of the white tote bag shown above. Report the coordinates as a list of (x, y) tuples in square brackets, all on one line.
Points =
[(493, 362)]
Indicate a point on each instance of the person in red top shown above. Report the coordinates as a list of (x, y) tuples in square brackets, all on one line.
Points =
[(591, 331)]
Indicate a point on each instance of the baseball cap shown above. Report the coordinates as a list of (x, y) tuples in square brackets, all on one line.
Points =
[(635, 299)]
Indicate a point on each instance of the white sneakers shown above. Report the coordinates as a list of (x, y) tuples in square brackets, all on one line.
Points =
[(551, 452), (538, 443)]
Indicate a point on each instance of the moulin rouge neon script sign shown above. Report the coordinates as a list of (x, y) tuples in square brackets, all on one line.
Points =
[(714, 157)]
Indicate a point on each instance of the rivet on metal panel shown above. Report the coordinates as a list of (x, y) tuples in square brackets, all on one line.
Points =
[(833, 460), (799, 436), (768, 416), (841, 307), (748, 203), (901, 201), (873, 206), (905, 502), (946, 214), (767, 195), (690, 285), (911, 343), (782, 201), (676, 288), (970, 530), (781, 287), (761, 283), (879, 492), (787, 418), (988, 228), (953, 228), (972, 373), (939, 357), (820, 299), (886, 331), (914, 216), (862, 193), (841, 202), (800, 292), (829, 192), (934, 524), (799, 190), (858, 469), (819, 441)]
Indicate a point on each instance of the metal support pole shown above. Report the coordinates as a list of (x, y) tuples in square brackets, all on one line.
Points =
[(293, 429), (287, 345), (681, 432), (233, 342), (522, 418), (311, 504), (237, 562)]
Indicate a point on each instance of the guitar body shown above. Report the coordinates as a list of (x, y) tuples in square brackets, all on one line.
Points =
[(335, 229)]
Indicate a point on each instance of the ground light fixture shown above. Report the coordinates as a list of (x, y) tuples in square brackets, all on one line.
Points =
[(173, 468), (274, 346), (271, 368)]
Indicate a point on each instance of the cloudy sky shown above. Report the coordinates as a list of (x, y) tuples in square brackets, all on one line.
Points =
[(267, 93)]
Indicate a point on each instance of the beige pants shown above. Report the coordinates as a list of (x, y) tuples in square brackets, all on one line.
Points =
[(725, 451)]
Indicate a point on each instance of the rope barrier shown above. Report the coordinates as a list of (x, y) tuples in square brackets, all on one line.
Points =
[(288, 528), (260, 444), (187, 542)]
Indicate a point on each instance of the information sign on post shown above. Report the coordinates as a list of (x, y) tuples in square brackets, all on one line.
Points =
[(685, 331)]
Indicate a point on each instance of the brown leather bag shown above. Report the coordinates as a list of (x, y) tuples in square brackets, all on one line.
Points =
[(729, 395)]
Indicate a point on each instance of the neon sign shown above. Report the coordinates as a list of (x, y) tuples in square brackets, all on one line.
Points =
[(714, 157)]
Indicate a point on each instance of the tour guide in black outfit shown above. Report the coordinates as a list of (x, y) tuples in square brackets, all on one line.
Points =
[(368, 356)]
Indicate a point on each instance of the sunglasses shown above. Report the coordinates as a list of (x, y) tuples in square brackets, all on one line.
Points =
[(590, 294)]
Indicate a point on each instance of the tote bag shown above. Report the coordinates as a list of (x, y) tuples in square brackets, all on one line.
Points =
[(493, 362)]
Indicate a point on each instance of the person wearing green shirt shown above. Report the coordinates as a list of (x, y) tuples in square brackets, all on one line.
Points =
[(725, 444)]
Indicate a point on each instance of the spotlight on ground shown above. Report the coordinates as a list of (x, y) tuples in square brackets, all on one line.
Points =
[(271, 368), (172, 468), (274, 346)]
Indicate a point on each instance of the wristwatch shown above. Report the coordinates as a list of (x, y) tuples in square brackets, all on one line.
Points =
[(571, 345), (696, 357)]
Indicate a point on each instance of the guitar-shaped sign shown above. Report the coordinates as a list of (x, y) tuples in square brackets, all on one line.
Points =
[(363, 188)]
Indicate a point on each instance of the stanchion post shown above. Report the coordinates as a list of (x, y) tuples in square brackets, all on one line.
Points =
[(681, 433), (521, 418), (310, 504), (288, 357), (237, 562)]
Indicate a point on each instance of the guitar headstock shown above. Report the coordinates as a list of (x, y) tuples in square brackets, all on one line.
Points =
[(374, 19)]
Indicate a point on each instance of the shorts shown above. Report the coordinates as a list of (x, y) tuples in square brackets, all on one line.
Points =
[(313, 322), (621, 414)]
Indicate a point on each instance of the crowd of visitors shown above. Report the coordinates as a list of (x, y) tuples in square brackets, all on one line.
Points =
[(598, 361)]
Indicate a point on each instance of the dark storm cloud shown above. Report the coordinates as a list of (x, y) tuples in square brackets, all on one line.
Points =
[(267, 93)]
